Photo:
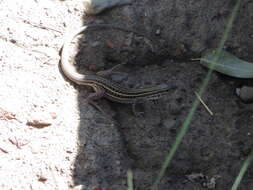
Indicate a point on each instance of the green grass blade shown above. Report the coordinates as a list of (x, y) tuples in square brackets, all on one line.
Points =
[(189, 117), (177, 142), (244, 168), (130, 184)]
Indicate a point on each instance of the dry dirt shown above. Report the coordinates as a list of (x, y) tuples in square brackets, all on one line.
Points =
[(52, 139)]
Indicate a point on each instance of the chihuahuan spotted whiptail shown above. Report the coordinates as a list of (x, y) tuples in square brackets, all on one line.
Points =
[(102, 86)]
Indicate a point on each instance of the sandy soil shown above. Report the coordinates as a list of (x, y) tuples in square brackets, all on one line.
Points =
[(52, 139)]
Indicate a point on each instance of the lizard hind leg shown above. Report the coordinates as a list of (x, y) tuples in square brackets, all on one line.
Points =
[(108, 72), (99, 93)]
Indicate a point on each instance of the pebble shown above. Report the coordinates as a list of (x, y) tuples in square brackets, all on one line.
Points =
[(245, 93), (41, 119)]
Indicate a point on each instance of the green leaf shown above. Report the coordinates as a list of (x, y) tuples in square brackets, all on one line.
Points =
[(227, 64)]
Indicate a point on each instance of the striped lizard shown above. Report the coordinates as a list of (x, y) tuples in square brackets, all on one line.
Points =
[(102, 86)]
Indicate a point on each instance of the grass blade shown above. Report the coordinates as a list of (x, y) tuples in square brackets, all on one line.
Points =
[(189, 117), (242, 171), (130, 184)]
